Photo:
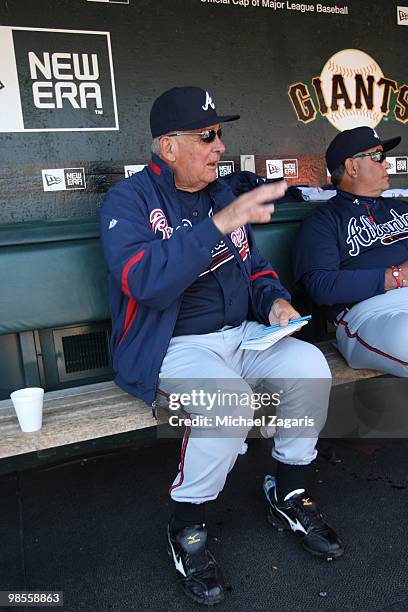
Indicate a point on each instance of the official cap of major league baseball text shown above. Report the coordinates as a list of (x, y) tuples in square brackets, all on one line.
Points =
[(182, 109), (359, 139)]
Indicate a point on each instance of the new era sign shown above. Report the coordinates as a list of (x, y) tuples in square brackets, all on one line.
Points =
[(397, 165), (402, 15), (56, 80), (290, 168), (63, 179), (281, 168), (131, 169), (224, 168)]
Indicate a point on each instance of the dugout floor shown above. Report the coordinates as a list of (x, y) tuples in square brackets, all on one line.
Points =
[(94, 527)]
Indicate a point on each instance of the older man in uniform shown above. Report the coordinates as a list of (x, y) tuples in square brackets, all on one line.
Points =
[(187, 285)]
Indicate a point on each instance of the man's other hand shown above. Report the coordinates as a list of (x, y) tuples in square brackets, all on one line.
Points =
[(282, 312)]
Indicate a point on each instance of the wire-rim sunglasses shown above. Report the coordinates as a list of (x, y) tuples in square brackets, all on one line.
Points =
[(206, 136)]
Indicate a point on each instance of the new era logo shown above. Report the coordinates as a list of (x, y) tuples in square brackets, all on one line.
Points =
[(401, 165), (74, 178), (402, 15), (51, 179), (397, 165), (63, 179), (56, 80), (224, 168), (132, 169), (282, 168), (290, 168), (274, 168)]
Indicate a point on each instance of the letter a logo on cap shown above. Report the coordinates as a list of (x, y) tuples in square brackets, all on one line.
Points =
[(376, 135), (208, 102)]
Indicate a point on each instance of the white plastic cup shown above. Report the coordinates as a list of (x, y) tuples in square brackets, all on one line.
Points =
[(28, 404)]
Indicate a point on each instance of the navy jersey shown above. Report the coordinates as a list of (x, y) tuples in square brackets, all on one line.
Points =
[(344, 247), (220, 294)]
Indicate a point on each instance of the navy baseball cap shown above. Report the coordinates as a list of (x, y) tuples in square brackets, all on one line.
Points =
[(359, 139), (182, 109)]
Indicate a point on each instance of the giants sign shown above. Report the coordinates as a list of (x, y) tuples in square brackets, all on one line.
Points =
[(350, 91), (56, 80)]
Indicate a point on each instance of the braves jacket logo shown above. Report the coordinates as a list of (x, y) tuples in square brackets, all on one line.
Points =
[(240, 239), (159, 223), (220, 253)]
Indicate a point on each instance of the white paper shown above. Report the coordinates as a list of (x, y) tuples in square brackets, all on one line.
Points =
[(266, 338)]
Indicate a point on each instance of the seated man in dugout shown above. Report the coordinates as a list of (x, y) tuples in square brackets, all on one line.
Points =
[(187, 285), (351, 255)]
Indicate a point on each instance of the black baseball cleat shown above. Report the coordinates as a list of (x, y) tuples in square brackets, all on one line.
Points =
[(299, 513), (198, 571)]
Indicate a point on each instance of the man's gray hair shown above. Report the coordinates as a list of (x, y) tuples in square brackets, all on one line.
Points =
[(337, 175), (155, 147)]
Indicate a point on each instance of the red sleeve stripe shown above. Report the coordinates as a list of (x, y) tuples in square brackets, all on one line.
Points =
[(264, 273), (156, 169), (132, 261)]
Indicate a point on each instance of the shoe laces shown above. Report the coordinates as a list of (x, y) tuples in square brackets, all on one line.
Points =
[(307, 512), (199, 562), (198, 559)]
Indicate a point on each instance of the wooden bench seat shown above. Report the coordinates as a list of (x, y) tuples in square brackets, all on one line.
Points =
[(75, 415), (102, 409), (340, 370)]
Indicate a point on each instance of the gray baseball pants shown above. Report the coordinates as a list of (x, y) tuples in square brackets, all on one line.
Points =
[(296, 370), (374, 333)]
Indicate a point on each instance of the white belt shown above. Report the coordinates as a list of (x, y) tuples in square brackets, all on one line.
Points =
[(226, 327)]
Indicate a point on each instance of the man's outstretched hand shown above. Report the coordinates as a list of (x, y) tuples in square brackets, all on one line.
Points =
[(252, 207)]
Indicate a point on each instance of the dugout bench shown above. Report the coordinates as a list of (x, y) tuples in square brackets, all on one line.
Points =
[(54, 329)]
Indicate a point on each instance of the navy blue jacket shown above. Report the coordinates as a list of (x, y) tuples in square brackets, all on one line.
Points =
[(152, 257), (344, 247)]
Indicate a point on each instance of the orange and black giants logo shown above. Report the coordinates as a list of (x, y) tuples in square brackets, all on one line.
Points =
[(350, 91)]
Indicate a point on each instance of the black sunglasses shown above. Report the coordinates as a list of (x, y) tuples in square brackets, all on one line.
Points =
[(376, 156), (206, 136)]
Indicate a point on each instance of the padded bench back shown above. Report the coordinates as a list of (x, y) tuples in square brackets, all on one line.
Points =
[(57, 276), (52, 285), (274, 242)]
